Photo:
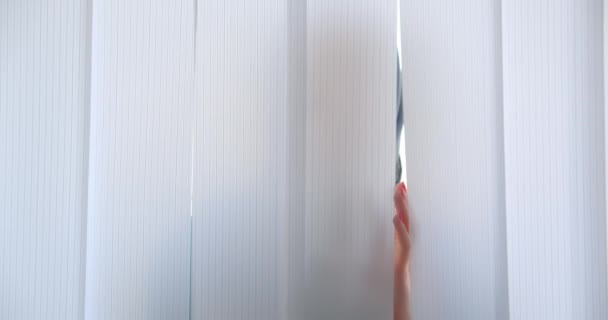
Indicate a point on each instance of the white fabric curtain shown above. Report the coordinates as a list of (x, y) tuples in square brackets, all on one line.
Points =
[(504, 122)]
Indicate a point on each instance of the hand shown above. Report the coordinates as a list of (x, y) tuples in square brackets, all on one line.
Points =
[(401, 220)]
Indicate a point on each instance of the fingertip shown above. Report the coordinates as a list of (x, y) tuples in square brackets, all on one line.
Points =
[(397, 189)]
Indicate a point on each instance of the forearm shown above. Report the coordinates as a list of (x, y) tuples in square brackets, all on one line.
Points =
[(401, 296)]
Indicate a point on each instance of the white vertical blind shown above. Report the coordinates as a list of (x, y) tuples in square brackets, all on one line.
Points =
[(296, 103), (555, 182), (43, 148), (240, 161), (453, 131), (138, 250), (350, 159), (296, 147), (234, 159), (605, 61), (531, 213)]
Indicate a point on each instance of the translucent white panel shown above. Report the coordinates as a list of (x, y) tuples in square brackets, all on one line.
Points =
[(453, 130), (43, 116), (350, 159), (554, 159), (138, 249), (240, 162), (297, 157), (606, 121), (277, 166)]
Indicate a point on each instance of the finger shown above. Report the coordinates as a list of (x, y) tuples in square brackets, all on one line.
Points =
[(401, 204), (402, 234), (399, 197), (406, 213)]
